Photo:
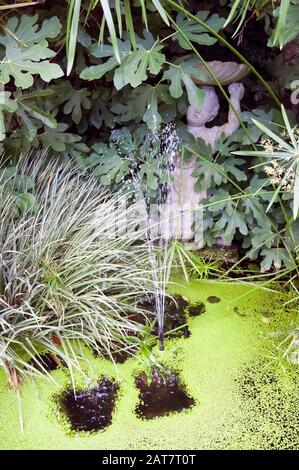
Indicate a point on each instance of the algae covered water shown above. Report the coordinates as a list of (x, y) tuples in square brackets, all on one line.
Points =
[(244, 394)]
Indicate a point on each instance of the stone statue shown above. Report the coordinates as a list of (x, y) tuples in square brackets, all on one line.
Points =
[(182, 199)]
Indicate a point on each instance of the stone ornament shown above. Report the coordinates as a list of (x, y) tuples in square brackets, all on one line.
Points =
[(177, 214)]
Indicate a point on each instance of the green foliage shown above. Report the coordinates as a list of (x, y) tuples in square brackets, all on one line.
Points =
[(6, 104), (287, 25), (286, 13), (193, 266), (20, 188), (197, 34), (108, 164), (96, 82), (284, 150), (135, 64), (66, 274), (179, 74), (242, 204)]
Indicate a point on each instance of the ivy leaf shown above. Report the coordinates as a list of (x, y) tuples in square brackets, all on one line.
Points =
[(195, 32), (179, 75), (26, 50), (6, 104)]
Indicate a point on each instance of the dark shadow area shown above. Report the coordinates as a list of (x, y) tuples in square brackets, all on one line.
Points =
[(47, 361), (90, 410)]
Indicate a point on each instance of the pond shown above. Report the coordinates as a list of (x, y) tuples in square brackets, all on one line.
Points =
[(231, 388)]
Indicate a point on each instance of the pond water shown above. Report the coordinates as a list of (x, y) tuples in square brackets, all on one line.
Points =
[(231, 388)]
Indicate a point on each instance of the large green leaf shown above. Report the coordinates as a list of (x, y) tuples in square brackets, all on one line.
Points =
[(219, 200), (29, 31), (229, 215), (6, 104), (135, 64), (142, 103), (58, 139), (104, 51), (106, 163), (26, 51), (179, 76), (195, 32), (277, 257), (31, 111), (262, 236), (214, 173), (36, 112)]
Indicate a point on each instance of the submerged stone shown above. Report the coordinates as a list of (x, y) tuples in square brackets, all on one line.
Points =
[(213, 299)]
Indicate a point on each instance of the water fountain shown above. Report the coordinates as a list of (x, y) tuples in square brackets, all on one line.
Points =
[(177, 201)]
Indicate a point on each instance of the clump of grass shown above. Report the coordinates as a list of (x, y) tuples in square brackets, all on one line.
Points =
[(71, 268)]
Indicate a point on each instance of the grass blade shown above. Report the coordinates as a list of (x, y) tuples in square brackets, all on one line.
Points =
[(73, 19)]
